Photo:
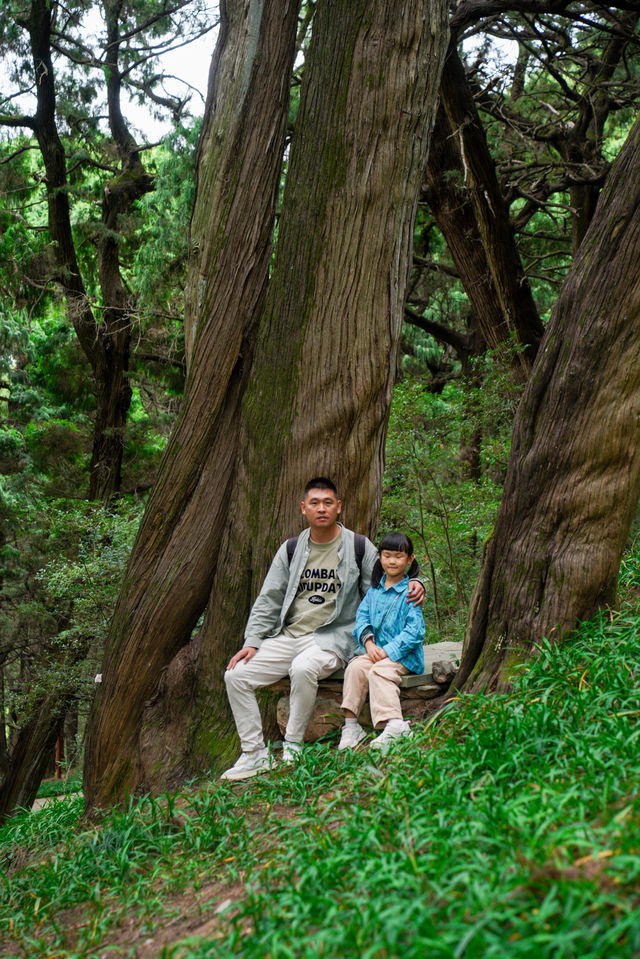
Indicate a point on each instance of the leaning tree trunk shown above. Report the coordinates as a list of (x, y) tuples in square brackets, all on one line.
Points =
[(451, 204), (171, 569), (515, 300), (573, 479), (33, 746), (30, 754), (324, 365)]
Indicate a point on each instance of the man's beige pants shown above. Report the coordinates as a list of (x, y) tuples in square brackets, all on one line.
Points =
[(305, 663), (381, 680)]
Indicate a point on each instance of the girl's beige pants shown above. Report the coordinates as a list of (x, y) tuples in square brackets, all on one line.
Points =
[(381, 681)]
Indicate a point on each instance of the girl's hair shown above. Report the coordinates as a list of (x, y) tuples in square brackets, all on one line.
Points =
[(398, 542)]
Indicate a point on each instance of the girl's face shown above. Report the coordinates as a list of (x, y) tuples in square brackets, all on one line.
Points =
[(394, 562)]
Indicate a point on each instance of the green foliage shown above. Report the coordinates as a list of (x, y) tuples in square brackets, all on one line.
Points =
[(431, 491), (11, 445), (151, 234), (65, 786), (62, 564), (509, 823), (90, 544), (61, 559), (505, 825), (24, 255), (46, 401), (159, 261), (421, 352)]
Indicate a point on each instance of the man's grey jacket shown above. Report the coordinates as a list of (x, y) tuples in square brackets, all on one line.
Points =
[(270, 609)]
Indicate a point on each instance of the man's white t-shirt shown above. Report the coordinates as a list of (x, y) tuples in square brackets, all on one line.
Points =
[(317, 590)]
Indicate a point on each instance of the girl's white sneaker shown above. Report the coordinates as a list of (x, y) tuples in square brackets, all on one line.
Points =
[(352, 734)]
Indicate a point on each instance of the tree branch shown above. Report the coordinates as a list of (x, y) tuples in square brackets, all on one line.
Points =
[(7, 120), (443, 334)]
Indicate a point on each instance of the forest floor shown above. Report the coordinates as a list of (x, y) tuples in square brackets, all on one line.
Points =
[(507, 825), (42, 801)]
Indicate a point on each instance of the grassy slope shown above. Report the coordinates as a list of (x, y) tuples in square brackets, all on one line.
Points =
[(508, 826)]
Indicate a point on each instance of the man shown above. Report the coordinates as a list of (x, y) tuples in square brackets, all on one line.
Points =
[(301, 624)]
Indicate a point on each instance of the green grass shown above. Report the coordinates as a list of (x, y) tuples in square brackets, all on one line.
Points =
[(507, 826), (60, 787)]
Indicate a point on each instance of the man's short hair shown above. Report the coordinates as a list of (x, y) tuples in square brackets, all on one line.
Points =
[(320, 482)]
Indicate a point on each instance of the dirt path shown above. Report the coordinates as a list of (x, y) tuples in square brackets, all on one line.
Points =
[(47, 800)]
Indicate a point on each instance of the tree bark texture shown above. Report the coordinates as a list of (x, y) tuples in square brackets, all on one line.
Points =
[(516, 304), (234, 151), (324, 362), (30, 754), (171, 568), (573, 478)]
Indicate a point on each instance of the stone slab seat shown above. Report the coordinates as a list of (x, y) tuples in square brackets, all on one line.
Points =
[(414, 690)]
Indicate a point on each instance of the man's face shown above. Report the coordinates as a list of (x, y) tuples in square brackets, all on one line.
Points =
[(321, 508)]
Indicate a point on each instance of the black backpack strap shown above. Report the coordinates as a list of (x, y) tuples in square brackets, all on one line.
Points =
[(291, 547)]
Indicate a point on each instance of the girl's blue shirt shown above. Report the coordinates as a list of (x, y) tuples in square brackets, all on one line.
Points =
[(397, 626)]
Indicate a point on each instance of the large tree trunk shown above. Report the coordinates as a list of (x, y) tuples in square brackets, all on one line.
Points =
[(171, 569), (573, 479), (324, 366)]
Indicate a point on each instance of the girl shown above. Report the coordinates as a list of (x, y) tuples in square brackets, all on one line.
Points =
[(391, 631)]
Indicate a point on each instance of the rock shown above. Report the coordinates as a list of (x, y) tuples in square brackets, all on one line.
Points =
[(443, 671), (326, 717), (426, 691)]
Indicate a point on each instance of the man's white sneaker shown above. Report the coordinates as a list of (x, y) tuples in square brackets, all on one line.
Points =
[(352, 734), (249, 764), (291, 752), (393, 730)]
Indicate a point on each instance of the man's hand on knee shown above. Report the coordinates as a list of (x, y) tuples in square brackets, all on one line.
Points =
[(246, 653)]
